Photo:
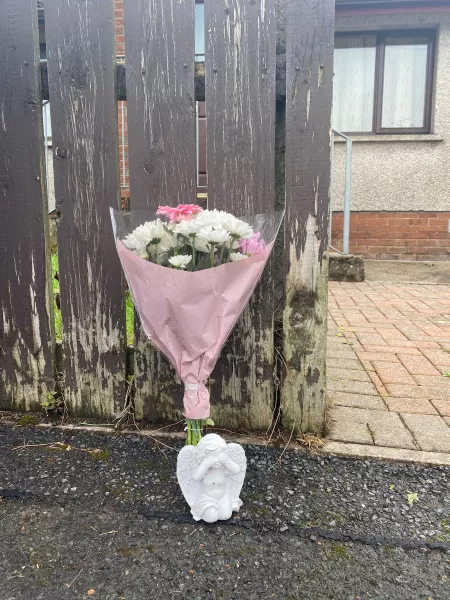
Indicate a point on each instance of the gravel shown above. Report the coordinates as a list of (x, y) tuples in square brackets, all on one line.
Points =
[(108, 512)]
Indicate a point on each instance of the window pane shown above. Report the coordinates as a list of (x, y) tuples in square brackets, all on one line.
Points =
[(200, 31), (405, 72), (354, 82), (46, 120)]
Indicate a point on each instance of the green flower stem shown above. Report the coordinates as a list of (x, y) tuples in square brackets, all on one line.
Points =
[(211, 254), (194, 431), (189, 436), (221, 254), (193, 252)]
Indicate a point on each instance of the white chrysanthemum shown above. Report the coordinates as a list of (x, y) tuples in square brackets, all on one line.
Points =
[(168, 241), (214, 236), (187, 228), (150, 232), (212, 218), (180, 261), (235, 256), (238, 229)]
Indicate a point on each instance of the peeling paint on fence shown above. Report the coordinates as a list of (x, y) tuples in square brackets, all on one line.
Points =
[(26, 372), (240, 96), (309, 71), (159, 49), (81, 71)]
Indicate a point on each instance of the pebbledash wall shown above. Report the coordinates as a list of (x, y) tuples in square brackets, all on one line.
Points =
[(400, 197)]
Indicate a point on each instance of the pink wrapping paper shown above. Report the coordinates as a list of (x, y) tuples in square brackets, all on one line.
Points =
[(189, 315)]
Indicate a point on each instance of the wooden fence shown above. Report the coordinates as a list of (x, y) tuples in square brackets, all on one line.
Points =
[(267, 82)]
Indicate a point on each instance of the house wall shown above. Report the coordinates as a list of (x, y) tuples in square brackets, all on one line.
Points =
[(409, 175)]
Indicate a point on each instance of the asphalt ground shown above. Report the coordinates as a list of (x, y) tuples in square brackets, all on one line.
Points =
[(91, 515)]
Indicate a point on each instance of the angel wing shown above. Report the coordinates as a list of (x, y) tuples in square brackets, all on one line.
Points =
[(237, 455), (186, 464)]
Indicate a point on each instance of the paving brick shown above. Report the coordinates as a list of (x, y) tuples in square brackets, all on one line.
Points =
[(388, 430), (430, 432), (418, 365), (422, 345), (392, 373), (335, 363), (437, 356), (442, 405), (391, 349), (368, 366), (371, 339), (355, 387), (378, 384), (363, 426), (391, 334), (357, 400), (406, 391), (338, 352), (347, 375), (430, 381), (349, 426), (411, 405), (377, 356)]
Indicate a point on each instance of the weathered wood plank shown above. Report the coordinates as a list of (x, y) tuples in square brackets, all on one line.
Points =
[(81, 66), (159, 50), (240, 97), (309, 72), (26, 371)]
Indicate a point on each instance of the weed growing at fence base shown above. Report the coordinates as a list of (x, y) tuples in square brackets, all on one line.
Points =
[(130, 318), (55, 287)]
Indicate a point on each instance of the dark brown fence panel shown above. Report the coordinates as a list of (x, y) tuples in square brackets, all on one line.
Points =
[(26, 371), (81, 68), (240, 102), (159, 56), (309, 72)]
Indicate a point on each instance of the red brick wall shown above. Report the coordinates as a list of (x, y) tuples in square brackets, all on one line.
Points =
[(122, 106), (120, 40), (415, 235)]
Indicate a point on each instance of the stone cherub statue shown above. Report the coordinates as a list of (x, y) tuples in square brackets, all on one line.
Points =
[(211, 475)]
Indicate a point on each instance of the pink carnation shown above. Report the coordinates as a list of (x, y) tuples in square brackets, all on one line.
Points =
[(253, 245), (183, 212)]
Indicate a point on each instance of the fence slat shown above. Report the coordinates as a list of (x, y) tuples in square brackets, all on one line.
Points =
[(159, 55), (309, 71), (81, 68), (240, 101), (26, 371)]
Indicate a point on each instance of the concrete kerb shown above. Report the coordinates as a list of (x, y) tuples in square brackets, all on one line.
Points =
[(341, 449)]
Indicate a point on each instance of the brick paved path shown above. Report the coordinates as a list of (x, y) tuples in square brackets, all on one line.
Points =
[(388, 357)]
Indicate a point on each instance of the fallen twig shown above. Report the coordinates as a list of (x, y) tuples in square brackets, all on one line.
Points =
[(273, 428), (70, 584), (285, 448)]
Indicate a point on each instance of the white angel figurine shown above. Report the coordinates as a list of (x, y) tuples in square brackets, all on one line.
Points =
[(211, 475)]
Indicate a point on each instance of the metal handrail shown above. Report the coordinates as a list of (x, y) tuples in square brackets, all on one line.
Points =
[(348, 190)]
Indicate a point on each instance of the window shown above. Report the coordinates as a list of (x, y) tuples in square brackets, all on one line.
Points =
[(383, 82), (199, 31)]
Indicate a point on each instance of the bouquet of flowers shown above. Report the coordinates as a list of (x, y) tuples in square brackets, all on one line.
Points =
[(191, 272)]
